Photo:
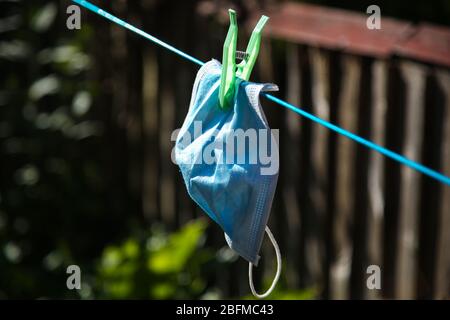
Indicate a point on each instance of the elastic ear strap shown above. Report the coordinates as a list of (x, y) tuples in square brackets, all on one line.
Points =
[(277, 274)]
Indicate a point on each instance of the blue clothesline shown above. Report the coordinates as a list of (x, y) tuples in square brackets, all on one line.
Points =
[(369, 144)]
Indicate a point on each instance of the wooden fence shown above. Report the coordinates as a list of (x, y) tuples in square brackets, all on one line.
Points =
[(339, 207)]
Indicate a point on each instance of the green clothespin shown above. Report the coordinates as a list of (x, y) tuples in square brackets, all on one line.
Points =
[(246, 66), (244, 69), (228, 77)]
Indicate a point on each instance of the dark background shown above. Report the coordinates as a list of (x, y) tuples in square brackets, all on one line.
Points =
[(85, 170)]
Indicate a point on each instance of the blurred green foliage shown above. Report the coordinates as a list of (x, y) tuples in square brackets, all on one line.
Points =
[(54, 195), (163, 266), (282, 293)]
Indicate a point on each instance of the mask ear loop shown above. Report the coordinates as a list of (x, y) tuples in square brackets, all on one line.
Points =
[(277, 274)]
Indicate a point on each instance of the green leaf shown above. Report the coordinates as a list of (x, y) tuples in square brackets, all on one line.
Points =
[(111, 259), (162, 290), (131, 249), (44, 86), (173, 257), (81, 103), (14, 50), (44, 18)]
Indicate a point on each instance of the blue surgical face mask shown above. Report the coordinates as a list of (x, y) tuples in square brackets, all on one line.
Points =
[(229, 162)]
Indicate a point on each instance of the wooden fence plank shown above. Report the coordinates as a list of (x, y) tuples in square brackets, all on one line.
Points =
[(150, 183), (306, 175), (167, 121), (292, 174), (376, 169), (360, 202), (345, 190), (442, 274), (314, 241), (406, 268)]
